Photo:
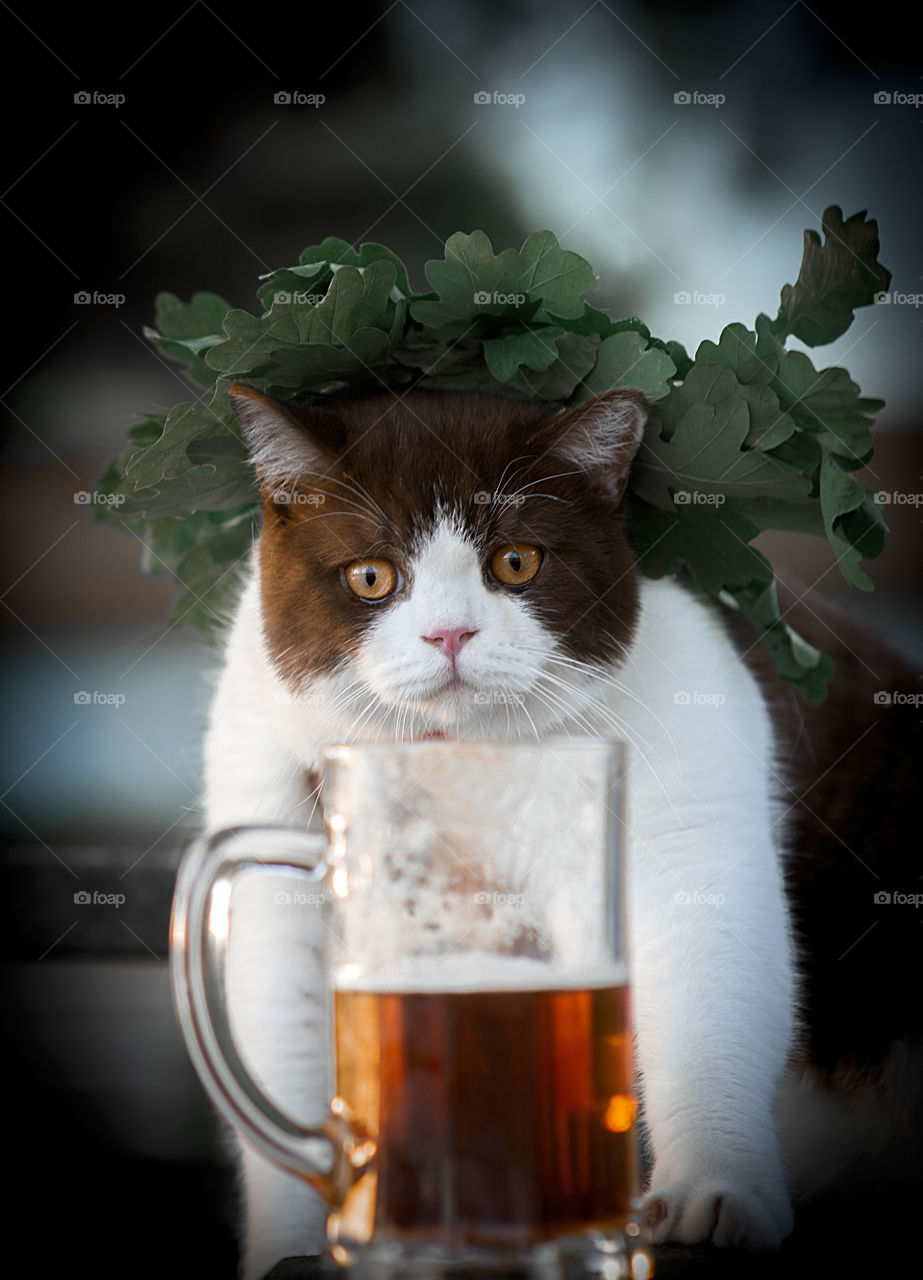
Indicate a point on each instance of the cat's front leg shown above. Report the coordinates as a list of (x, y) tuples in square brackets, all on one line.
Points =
[(275, 982), (714, 1022), (276, 996)]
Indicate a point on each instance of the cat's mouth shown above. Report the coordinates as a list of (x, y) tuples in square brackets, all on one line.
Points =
[(458, 701)]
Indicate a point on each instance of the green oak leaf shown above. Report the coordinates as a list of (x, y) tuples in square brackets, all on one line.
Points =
[(210, 575), (557, 276), (167, 456), (111, 483), (678, 354), (710, 383), (770, 425), (593, 321), (168, 539), (472, 281), (248, 348), (712, 545), (301, 369), (753, 368), (700, 450), (149, 429), (213, 486), (356, 300), (626, 360), (802, 515), (312, 276), (835, 277), (186, 331), (853, 524), (202, 314), (795, 659), (436, 358), (305, 285), (534, 348), (827, 401), (562, 381), (736, 349), (465, 281), (331, 249)]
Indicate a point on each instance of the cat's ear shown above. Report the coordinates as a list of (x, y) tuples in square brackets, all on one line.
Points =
[(602, 436), (288, 444)]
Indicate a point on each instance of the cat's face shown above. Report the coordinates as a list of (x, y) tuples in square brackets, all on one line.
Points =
[(445, 561)]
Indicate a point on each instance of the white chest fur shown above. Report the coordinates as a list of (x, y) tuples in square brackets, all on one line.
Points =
[(711, 951)]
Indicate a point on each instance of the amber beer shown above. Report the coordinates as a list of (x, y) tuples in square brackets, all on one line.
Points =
[(500, 1117)]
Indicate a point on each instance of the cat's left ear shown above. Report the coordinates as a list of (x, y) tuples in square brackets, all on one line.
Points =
[(289, 444), (602, 436)]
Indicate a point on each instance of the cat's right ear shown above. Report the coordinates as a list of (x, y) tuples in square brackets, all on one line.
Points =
[(290, 446)]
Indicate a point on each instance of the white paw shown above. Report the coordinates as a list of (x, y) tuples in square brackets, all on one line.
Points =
[(694, 1211)]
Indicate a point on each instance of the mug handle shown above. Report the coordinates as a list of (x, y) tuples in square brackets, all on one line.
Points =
[(330, 1158)]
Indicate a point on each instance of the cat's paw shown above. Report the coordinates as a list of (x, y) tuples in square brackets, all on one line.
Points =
[(694, 1211)]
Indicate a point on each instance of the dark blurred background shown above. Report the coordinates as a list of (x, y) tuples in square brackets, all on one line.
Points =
[(201, 179)]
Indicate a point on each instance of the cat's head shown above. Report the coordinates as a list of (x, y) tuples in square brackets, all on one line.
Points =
[(445, 561)]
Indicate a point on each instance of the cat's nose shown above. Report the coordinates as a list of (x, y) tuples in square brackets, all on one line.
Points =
[(450, 639)]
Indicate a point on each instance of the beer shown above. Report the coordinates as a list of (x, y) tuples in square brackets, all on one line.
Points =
[(500, 1117)]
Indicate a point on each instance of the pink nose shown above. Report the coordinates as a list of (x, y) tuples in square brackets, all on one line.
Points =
[(450, 640)]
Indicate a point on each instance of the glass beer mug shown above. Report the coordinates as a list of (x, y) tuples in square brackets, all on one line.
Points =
[(484, 1117)]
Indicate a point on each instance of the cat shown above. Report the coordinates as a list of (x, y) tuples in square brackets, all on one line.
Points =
[(448, 563)]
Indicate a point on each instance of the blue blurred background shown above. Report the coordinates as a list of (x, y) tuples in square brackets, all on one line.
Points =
[(202, 179)]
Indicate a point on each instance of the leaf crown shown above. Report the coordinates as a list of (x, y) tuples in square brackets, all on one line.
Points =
[(747, 435)]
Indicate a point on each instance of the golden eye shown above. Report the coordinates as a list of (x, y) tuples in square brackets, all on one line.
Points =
[(371, 579), (516, 564)]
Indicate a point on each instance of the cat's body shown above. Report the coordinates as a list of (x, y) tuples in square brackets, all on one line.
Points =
[(737, 993)]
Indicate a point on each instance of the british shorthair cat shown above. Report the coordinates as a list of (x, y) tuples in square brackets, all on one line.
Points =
[(454, 564)]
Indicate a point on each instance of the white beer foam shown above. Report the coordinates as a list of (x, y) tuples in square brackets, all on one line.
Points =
[(466, 856), (477, 971)]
